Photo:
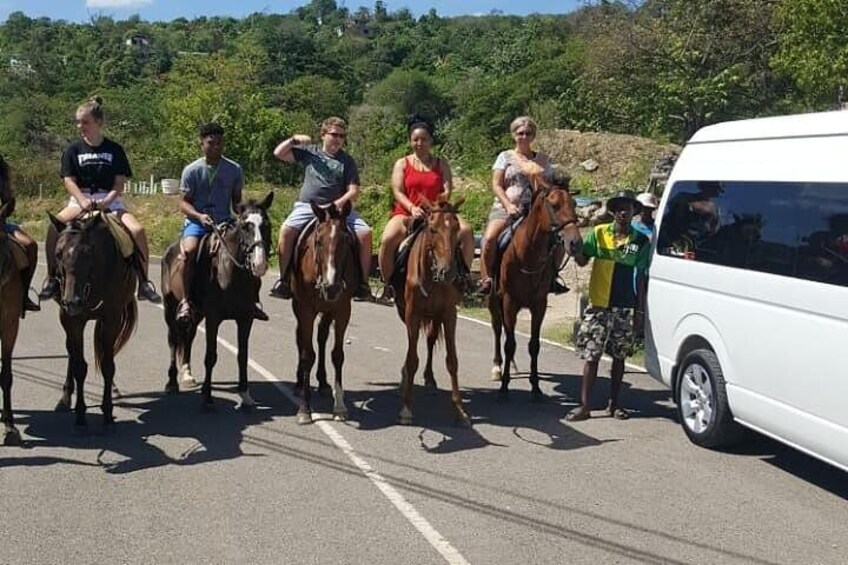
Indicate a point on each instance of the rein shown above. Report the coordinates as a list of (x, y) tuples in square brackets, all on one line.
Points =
[(436, 275), (248, 250)]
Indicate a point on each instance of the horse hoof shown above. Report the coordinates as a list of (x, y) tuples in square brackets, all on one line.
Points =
[(538, 396), (246, 400), (340, 415), (62, 407), (497, 374), (462, 421), (304, 418), (12, 438), (188, 382), (172, 388), (405, 416), (430, 382)]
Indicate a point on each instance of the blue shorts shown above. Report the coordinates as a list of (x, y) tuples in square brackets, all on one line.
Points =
[(10, 227), (193, 228), (302, 214)]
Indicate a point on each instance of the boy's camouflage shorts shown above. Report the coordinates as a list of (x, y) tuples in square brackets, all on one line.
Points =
[(605, 330)]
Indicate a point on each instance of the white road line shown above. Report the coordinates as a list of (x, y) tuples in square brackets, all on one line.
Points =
[(419, 522)]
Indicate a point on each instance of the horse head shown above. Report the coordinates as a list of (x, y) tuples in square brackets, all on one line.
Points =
[(77, 253), (442, 235), (254, 234), (553, 203), (332, 250)]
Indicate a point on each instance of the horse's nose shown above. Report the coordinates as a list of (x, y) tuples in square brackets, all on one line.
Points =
[(260, 269), (333, 292)]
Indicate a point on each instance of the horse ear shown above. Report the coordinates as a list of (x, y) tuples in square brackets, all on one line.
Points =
[(319, 212), (57, 223), (266, 202), (346, 209), (238, 209)]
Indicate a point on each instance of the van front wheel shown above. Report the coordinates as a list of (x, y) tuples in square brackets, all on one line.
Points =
[(702, 401)]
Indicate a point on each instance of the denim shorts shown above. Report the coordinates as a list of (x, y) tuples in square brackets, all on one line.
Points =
[(302, 214), (10, 227), (193, 228)]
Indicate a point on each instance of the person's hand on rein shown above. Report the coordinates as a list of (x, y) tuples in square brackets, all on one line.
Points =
[(417, 211), (206, 220)]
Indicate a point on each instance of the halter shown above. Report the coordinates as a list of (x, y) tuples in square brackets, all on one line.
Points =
[(321, 285), (437, 275), (219, 229), (554, 230), (86, 289)]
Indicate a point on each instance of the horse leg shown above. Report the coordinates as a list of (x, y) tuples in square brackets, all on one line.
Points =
[(209, 362), (324, 389), (510, 314), (77, 367), (452, 364), (107, 336), (64, 404), (338, 355), (496, 311), (172, 387), (432, 336), (11, 436), (413, 325), (537, 315), (306, 323), (186, 343), (244, 326)]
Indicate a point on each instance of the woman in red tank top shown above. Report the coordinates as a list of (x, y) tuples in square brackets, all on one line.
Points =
[(416, 176)]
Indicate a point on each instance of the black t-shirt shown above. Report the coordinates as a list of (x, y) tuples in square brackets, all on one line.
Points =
[(95, 168)]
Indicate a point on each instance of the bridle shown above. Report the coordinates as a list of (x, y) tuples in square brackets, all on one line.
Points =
[(438, 275), (244, 250), (322, 285), (554, 233), (86, 289)]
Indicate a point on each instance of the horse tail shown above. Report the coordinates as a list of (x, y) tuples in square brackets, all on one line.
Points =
[(129, 317)]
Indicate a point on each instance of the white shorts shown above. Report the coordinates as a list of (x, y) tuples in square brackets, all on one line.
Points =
[(117, 204)]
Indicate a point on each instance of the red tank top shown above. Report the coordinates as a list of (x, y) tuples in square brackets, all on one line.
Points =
[(420, 184)]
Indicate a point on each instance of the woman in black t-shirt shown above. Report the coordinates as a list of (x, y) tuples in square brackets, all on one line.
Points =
[(94, 170)]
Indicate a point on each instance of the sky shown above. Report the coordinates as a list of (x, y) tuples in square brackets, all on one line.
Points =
[(82, 10)]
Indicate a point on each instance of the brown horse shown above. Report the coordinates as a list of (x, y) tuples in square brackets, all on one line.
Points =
[(526, 270), (427, 297), (10, 313), (324, 280), (226, 278), (97, 283)]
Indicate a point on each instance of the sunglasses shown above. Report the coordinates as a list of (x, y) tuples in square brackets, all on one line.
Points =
[(336, 135)]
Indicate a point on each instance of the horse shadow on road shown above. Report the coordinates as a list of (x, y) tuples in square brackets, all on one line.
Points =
[(189, 437), (540, 423)]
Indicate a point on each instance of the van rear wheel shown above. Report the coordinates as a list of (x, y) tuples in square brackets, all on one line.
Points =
[(702, 401)]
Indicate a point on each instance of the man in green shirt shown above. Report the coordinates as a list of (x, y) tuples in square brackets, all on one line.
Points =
[(615, 313)]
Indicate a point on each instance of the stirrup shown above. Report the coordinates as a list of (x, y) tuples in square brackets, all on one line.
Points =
[(281, 289)]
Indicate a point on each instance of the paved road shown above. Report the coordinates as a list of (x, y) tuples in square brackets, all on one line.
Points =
[(172, 485)]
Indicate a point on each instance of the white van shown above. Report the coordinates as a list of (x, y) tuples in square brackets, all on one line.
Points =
[(748, 293)]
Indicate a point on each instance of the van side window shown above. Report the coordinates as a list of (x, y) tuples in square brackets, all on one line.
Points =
[(791, 229)]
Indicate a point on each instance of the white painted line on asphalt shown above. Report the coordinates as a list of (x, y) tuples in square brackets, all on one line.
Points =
[(419, 522)]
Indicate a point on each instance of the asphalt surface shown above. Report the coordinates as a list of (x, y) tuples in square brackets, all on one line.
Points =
[(174, 485)]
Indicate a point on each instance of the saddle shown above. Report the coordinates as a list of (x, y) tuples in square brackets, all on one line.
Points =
[(504, 239), (122, 237)]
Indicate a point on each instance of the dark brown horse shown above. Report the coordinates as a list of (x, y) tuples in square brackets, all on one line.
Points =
[(226, 278), (97, 283), (427, 297), (526, 270), (10, 314), (324, 280)]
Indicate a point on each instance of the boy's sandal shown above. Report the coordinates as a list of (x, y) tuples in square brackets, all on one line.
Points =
[(618, 413), (579, 414)]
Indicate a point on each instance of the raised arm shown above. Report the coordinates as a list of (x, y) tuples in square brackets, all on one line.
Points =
[(283, 151)]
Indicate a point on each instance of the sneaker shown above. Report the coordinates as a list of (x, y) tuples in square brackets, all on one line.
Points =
[(363, 293), (146, 291), (484, 286), (281, 289), (558, 288), (50, 290), (30, 305), (387, 297), (259, 313)]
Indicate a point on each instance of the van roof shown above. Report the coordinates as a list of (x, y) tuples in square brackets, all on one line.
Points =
[(820, 124)]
